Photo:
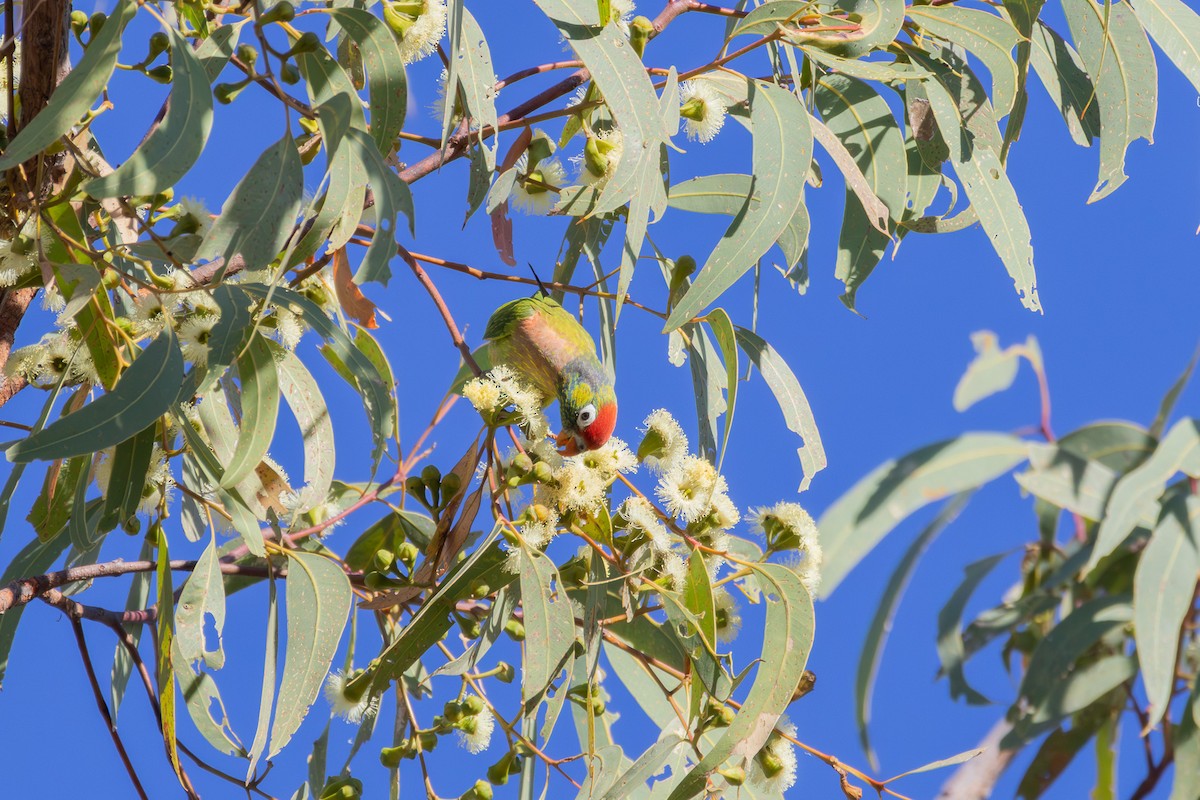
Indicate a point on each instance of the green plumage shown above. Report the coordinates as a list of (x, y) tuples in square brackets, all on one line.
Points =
[(551, 352)]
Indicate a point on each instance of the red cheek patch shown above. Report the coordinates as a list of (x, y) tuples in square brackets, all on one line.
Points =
[(599, 431)]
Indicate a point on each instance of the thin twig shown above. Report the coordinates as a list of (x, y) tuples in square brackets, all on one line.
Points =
[(81, 641)]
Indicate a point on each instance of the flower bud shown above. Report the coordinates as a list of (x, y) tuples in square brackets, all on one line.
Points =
[(79, 22), (472, 705), (407, 554), (449, 488), (452, 711), (160, 74), (516, 629), (226, 93), (735, 776), (482, 790), (96, 22), (540, 148), (505, 672), (342, 789), (769, 762), (308, 42), (159, 43), (497, 773), (640, 31), (384, 559), (288, 73), (684, 267), (428, 740), (247, 54), (281, 12)]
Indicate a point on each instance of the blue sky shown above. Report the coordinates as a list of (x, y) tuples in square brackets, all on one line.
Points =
[(1118, 281)]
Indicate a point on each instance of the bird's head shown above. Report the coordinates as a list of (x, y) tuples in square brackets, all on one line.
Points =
[(588, 405)]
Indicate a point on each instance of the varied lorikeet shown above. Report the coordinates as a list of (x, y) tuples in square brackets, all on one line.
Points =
[(546, 347)]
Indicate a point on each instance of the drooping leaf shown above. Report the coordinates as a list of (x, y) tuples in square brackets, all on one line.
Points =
[(260, 410), (1055, 754), (1176, 29), (368, 381), (392, 198), (787, 641), (649, 764), (1059, 653), (865, 125), (127, 479), (722, 328), (549, 621), (941, 763), (203, 596), (386, 80), (318, 602), (797, 414), (1172, 396), (991, 371), (949, 635), (1135, 496), (258, 217), (861, 517), (1081, 689), (267, 695), (471, 69), (782, 151), (881, 622), (1117, 54), (175, 144), (987, 36), (138, 598), (1062, 72), (1163, 586), (144, 392), (165, 635), (968, 128), (1056, 475), (1187, 753), (78, 90), (303, 396)]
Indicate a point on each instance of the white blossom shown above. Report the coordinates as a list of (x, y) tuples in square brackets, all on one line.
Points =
[(689, 488), (353, 710), (702, 109), (669, 442), (475, 731), (529, 193), (194, 334), (778, 774), (794, 529), (423, 25), (640, 514)]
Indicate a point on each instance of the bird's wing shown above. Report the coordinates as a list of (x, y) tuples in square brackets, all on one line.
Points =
[(506, 317)]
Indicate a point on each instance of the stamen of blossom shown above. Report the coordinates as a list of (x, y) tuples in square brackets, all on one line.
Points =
[(475, 732), (354, 709), (688, 490), (600, 157), (703, 110), (664, 444), (640, 516), (611, 459), (530, 193), (774, 768), (194, 334), (787, 526), (417, 24)]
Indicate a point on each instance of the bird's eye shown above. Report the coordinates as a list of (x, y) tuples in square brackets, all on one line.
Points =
[(586, 416)]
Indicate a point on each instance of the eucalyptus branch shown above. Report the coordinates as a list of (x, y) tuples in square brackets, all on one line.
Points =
[(102, 705)]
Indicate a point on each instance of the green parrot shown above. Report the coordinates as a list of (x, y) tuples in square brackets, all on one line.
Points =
[(551, 352)]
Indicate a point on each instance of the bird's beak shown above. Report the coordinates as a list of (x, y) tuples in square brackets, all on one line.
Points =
[(567, 445)]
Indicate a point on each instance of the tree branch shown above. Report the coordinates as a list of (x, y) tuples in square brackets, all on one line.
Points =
[(77, 629)]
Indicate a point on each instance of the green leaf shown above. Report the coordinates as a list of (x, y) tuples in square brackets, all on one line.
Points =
[(318, 602), (989, 37), (991, 371), (1058, 476), (549, 621), (52, 509), (1172, 396), (138, 598), (1056, 753), (127, 480), (941, 763), (1135, 497), (260, 410), (864, 124), (782, 152), (392, 198), (471, 69), (1120, 446), (628, 94), (387, 84), (787, 642), (387, 534), (303, 396), (205, 705), (1186, 783), (1058, 654), (797, 414), (767, 17), (879, 24), (368, 381), (708, 383), (649, 764), (431, 621), (1080, 690), (1176, 29), (950, 647), (166, 674), (861, 517), (881, 622), (144, 392), (203, 596), (175, 144), (232, 332), (962, 110), (1117, 55), (75, 95), (267, 696), (722, 328), (259, 215), (1163, 586), (1062, 72)]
